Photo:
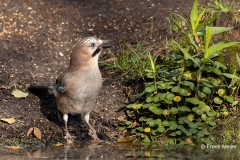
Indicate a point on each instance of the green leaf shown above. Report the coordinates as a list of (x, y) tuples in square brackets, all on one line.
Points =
[(184, 109), (142, 119), (166, 112), (170, 96), (193, 130), (220, 65), (189, 84), (151, 123), (211, 114), (199, 17), (175, 72), (201, 94), (229, 99), (197, 110), (173, 126), (186, 54), (136, 106), (238, 59), (174, 110), (179, 133), (167, 101), (150, 74), (208, 38), (212, 123), (212, 69), (192, 100), (204, 117), (165, 123), (200, 134), (161, 129), (207, 84), (217, 30), (192, 125), (181, 120), (234, 103), (156, 98), (173, 134), (162, 96), (204, 108), (150, 89), (170, 142), (155, 110), (214, 82), (162, 85), (128, 123), (218, 47), (184, 130), (203, 30), (217, 100), (194, 15), (206, 132), (140, 129), (175, 89), (149, 99), (183, 92), (146, 140), (152, 63), (206, 90), (232, 76)]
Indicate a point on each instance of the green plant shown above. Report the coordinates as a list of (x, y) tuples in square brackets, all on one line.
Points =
[(217, 6), (131, 61), (222, 7), (188, 90)]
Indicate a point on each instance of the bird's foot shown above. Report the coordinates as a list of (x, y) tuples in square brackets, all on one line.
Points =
[(95, 138), (69, 137)]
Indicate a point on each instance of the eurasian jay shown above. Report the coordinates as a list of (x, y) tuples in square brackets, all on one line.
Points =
[(77, 88)]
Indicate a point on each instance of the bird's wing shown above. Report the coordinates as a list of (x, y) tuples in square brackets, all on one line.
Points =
[(62, 82)]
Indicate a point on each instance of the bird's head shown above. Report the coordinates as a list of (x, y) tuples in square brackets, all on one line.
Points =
[(88, 50)]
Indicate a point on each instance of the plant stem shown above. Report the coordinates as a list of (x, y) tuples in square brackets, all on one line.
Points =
[(181, 75), (199, 76), (236, 94)]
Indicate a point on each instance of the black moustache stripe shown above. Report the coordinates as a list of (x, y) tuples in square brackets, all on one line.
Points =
[(96, 52)]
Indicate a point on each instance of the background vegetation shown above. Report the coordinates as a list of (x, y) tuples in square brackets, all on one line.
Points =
[(191, 89)]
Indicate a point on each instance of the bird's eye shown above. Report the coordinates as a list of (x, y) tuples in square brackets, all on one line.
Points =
[(92, 45)]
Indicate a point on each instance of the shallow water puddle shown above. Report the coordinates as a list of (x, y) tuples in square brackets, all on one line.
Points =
[(123, 151)]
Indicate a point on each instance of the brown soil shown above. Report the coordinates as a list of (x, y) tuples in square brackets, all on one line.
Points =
[(35, 41)]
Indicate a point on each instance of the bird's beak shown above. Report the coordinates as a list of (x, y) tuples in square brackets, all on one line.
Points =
[(103, 44)]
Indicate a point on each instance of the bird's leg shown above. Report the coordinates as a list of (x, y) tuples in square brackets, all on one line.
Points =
[(60, 116), (68, 136), (92, 131)]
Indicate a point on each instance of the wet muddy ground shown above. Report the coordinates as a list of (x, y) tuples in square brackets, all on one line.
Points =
[(36, 38), (121, 151)]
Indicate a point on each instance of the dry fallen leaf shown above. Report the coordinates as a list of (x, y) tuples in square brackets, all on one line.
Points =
[(58, 144), (19, 94), (188, 140), (14, 147), (9, 120), (37, 132), (121, 118), (29, 131)]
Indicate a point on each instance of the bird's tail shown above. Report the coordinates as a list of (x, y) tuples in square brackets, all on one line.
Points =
[(41, 87), (48, 88)]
